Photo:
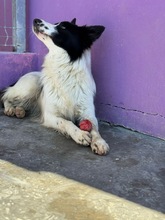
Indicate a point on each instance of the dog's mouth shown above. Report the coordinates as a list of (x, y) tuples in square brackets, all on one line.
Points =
[(37, 31), (43, 29)]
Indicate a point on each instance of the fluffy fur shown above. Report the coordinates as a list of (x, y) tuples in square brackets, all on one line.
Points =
[(65, 89)]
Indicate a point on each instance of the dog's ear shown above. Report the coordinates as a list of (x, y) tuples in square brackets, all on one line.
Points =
[(73, 21), (94, 32)]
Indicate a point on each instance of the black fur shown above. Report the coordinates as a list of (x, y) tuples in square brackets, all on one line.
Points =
[(75, 39), (71, 37)]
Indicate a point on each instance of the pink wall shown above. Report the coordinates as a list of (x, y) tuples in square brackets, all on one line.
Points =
[(128, 60)]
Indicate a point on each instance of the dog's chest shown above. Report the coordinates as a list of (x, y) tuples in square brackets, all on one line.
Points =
[(67, 92), (68, 87), (67, 83)]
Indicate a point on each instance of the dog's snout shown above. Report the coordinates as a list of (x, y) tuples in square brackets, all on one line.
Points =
[(36, 22)]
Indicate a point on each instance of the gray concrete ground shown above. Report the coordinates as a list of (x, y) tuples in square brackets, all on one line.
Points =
[(134, 168)]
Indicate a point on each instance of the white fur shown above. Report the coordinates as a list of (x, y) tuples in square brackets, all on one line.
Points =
[(67, 95)]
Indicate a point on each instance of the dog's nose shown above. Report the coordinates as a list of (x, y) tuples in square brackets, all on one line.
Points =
[(36, 22)]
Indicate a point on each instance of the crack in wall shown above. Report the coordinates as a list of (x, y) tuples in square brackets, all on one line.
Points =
[(134, 110)]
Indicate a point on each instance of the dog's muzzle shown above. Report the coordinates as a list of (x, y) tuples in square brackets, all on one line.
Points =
[(36, 25)]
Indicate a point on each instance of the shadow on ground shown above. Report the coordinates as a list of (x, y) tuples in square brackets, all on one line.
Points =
[(134, 168)]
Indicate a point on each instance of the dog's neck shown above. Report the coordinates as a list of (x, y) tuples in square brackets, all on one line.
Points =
[(59, 57)]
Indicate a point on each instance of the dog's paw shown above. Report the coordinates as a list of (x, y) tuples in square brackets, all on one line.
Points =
[(9, 111), (19, 112), (99, 146), (82, 137)]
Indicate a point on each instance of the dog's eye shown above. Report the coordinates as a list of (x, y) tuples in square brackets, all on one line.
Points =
[(63, 27)]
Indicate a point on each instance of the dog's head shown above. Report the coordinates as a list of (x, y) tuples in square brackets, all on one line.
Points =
[(67, 35)]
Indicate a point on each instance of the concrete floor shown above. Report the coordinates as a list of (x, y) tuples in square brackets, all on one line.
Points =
[(134, 168)]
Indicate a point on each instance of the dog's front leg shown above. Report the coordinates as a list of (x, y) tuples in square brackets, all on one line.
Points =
[(69, 129), (98, 144)]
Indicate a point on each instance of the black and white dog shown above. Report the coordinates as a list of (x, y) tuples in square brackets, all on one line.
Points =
[(65, 88)]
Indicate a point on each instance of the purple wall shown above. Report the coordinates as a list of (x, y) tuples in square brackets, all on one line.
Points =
[(14, 65), (128, 60)]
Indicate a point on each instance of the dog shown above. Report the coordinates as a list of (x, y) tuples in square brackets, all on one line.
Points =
[(64, 90)]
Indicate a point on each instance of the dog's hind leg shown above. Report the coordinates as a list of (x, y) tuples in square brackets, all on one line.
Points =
[(19, 98)]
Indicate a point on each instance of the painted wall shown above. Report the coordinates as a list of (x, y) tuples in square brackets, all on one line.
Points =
[(128, 60), (15, 65)]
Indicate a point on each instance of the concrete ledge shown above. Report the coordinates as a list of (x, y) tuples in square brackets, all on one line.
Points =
[(43, 195), (14, 65)]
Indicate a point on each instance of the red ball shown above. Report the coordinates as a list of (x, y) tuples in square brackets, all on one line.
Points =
[(85, 125)]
